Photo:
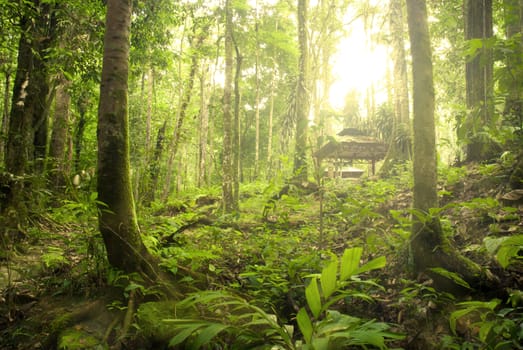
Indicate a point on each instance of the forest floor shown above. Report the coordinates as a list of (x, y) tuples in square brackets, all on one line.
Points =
[(57, 292)]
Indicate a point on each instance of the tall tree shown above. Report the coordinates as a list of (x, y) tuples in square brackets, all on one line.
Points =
[(429, 247), (58, 145), (513, 111), (227, 166), (479, 78), (117, 217), (199, 35), (302, 96), (27, 132)]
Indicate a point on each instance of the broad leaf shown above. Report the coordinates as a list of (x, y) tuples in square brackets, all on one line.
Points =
[(305, 324), (328, 278), (207, 334), (350, 262), (312, 295), (374, 264)]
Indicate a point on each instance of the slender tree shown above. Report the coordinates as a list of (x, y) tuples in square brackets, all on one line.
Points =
[(479, 79), (227, 165), (429, 247), (117, 217), (302, 97), (60, 135), (513, 110)]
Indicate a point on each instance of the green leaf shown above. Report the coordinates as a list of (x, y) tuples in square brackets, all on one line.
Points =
[(312, 295), (320, 343), (485, 328), (305, 324), (510, 250), (451, 276), (328, 278), (374, 264), (208, 333), (350, 262), (184, 334)]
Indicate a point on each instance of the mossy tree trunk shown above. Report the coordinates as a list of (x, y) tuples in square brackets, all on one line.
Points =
[(117, 218), (429, 247)]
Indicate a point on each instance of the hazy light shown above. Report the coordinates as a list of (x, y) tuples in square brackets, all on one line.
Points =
[(356, 66)]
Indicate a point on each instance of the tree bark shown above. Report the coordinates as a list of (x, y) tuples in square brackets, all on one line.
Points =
[(236, 144), (59, 137), (429, 247), (203, 133), (117, 217), (479, 80), (4, 128), (227, 162), (302, 97)]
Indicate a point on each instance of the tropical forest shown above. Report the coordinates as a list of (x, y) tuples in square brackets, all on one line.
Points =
[(261, 174)]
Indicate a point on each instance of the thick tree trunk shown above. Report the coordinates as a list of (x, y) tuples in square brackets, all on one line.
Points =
[(117, 218), (429, 247), (302, 97), (19, 138)]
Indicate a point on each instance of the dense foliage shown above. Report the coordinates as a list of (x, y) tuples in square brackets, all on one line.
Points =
[(253, 243)]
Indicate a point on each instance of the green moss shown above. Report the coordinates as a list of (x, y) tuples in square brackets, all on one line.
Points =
[(150, 320), (61, 323), (72, 339)]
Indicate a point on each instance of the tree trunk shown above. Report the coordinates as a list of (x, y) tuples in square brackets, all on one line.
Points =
[(236, 145), (19, 137), (81, 104), (117, 217), (479, 80), (4, 128), (270, 127), (203, 133), (227, 165), (302, 97), (257, 97), (59, 137), (175, 140), (514, 63), (429, 247)]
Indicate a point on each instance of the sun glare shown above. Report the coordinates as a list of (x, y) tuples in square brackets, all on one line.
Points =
[(356, 66)]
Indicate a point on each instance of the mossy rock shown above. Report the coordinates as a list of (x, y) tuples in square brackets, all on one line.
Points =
[(72, 339)]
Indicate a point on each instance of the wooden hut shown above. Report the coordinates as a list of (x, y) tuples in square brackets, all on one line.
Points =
[(352, 144)]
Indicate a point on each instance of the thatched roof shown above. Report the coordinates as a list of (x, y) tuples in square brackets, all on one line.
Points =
[(355, 146)]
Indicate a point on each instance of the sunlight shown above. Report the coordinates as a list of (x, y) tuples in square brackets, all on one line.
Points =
[(356, 67)]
